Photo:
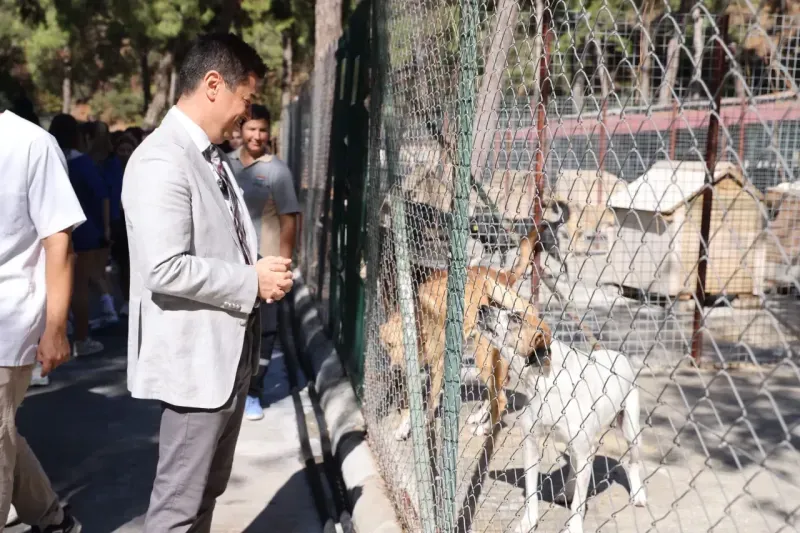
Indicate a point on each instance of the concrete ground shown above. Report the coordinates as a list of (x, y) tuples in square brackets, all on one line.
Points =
[(99, 447), (721, 446)]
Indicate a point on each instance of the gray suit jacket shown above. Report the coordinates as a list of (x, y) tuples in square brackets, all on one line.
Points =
[(191, 292)]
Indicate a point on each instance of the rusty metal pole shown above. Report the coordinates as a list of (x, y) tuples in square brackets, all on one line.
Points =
[(601, 152), (673, 130), (541, 125), (712, 143), (742, 118)]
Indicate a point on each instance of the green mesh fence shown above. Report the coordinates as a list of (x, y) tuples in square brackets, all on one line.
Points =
[(573, 230)]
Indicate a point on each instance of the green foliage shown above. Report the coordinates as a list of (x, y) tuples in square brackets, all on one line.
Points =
[(99, 45), (117, 103)]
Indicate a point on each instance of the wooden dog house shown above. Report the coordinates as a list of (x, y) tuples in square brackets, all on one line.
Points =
[(658, 241)]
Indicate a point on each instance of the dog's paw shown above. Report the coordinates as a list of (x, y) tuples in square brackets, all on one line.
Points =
[(478, 417), (639, 498), (404, 430), (482, 430)]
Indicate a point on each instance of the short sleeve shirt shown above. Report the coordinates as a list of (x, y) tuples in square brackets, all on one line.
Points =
[(36, 201), (268, 189)]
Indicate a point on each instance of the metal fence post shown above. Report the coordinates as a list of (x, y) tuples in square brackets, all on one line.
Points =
[(712, 139), (422, 465), (456, 278)]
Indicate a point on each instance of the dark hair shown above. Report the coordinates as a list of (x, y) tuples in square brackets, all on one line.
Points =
[(23, 107), (136, 132), (259, 112), (226, 53), (66, 131)]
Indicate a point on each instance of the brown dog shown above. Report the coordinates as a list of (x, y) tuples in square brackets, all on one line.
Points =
[(485, 286)]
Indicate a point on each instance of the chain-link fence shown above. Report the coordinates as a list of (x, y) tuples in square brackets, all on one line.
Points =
[(305, 137), (583, 225)]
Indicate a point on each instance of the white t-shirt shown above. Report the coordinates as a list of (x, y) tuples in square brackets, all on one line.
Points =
[(36, 201)]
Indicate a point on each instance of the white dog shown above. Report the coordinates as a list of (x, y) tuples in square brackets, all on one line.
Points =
[(576, 395)]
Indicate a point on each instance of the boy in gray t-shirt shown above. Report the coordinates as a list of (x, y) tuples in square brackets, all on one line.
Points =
[(270, 197)]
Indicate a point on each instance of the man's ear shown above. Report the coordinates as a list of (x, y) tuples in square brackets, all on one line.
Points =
[(213, 84)]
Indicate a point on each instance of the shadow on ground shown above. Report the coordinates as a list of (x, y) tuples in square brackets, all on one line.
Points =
[(97, 444)]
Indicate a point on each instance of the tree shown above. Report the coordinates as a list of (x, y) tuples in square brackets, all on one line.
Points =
[(489, 97)]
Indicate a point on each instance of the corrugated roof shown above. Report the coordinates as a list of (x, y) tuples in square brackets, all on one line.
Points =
[(668, 185)]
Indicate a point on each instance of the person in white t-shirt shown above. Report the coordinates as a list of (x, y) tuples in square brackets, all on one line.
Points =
[(38, 211)]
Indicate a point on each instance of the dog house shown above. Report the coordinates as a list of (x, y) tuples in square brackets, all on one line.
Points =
[(783, 254), (591, 224), (658, 241)]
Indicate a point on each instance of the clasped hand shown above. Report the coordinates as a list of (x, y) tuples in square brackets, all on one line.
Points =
[(274, 278)]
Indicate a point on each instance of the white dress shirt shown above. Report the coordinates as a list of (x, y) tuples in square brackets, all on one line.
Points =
[(36, 201), (202, 142)]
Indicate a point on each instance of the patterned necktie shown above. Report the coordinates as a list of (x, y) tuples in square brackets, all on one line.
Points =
[(212, 156)]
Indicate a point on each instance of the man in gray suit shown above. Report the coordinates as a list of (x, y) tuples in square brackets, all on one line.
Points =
[(196, 285)]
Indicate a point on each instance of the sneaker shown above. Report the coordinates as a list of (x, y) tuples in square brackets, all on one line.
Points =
[(37, 379), (68, 525), (12, 516), (253, 409), (86, 347)]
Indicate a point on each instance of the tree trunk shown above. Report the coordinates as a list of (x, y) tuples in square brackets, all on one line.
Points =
[(327, 30), (674, 55), (671, 74), (698, 40), (602, 72), (173, 85), (490, 93), (578, 88), (162, 82), (286, 92), (144, 69), (66, 82), (66, 91)]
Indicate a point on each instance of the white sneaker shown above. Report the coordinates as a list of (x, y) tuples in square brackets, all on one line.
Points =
[(86, 347), (37, 379), (12, 516)]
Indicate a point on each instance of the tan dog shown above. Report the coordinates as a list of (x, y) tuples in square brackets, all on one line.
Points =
[(485, 286)]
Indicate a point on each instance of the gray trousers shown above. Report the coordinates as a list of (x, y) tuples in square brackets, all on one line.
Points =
[(195, 457), (22, 480)]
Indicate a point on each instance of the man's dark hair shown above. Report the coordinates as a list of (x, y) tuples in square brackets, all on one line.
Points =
[(66, 131), (136, 132), (226, 53), (23, 107), (259, 112)]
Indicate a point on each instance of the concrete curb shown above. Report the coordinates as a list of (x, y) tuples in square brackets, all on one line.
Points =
[(372, 511)]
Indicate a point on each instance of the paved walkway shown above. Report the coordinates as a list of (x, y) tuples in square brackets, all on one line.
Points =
[(99, 447)]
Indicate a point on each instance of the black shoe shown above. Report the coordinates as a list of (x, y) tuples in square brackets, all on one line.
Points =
[(68, 525)]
